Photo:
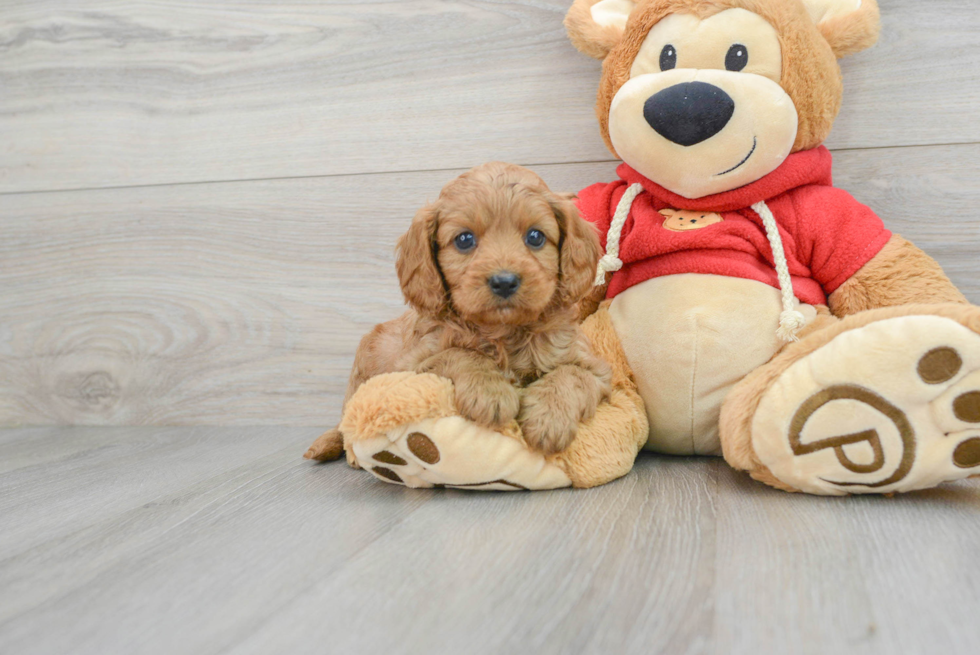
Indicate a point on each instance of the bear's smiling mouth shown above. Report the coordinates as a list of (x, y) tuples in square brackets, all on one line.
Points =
[(755, 143)]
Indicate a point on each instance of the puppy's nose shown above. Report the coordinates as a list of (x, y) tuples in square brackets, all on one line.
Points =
[(504, 285), (689, 113)]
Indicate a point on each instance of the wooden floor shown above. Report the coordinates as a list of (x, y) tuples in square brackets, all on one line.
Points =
[(221, 540), (199, 201)]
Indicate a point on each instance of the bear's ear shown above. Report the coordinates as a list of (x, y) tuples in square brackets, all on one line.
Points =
[(596, 26), (849, 26)]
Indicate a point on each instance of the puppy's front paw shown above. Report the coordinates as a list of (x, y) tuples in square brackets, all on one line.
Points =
[(490, 402), (547, 424)]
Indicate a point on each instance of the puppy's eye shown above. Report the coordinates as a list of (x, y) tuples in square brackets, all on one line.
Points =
[(668, 58), (737, 58), (534, 238), (465, 241)]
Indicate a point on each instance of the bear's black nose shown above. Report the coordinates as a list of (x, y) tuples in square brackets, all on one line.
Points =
[(689, 113), (504, 284)]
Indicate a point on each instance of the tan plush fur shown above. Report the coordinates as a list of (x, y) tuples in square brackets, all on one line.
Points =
[(740, 406), (593, 40), (853, 32), (896, 282), (811, 75), (604, 449), (487, 345), (899, 274), (899, 281), (765, 476), (395, 399)]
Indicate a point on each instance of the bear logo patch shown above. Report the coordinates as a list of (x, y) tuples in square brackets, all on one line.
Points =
[(683, 220)]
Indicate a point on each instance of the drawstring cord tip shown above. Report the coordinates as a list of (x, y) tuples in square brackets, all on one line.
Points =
[(608, 264), (790, 323)]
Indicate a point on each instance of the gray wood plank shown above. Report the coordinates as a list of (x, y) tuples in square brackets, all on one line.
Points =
[(142, 466), (854, 575), (584, 578), (940, 615), (39, 446), (99, 93), (243, 303), (270, 553)]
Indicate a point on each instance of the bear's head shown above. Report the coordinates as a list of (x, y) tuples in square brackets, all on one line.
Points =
[(705, 96)]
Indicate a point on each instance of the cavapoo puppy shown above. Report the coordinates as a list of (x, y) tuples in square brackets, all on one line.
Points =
[(494, 271)]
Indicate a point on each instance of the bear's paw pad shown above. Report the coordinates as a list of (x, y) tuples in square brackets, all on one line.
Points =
[(454, 453), (892, 406)]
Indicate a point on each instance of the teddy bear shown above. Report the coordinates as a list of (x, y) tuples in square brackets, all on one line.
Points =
[(679, 220), (748, 308)]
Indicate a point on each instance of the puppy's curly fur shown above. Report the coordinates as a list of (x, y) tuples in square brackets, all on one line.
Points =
[(511, 356)]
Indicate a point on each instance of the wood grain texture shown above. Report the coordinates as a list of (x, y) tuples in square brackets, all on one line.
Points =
[(233, 544), (101, 93), (173, 300), (822, 567), (243, 303)]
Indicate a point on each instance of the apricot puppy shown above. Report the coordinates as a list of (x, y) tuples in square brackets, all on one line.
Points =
[(494, 271)]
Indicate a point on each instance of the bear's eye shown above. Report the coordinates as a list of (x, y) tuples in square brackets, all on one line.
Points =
[(737, 57), (668, 58), (465, 241), (534, 238)]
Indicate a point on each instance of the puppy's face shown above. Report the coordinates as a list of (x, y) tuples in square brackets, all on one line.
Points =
[(498, 252), (503, 248)]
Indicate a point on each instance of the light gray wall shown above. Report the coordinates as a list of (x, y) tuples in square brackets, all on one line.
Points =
[(199, 201)]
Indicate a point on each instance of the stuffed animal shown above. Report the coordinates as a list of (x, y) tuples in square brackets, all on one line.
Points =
[(748, 308)]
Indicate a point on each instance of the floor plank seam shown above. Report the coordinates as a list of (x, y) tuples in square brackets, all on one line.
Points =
[(420, 171)]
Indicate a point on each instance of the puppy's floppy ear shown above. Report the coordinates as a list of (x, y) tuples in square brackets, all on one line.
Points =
[(849, 26), (596, 26), (579, 250), (418, 271)]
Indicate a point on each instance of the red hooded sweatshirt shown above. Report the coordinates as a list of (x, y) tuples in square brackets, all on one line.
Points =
[(826, 233)]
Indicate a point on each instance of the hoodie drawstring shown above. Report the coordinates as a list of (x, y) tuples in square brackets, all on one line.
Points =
[(610, 262), (790, 320)]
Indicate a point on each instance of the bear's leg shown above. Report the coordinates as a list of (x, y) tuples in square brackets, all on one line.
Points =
[(404, 428), (886, 400)]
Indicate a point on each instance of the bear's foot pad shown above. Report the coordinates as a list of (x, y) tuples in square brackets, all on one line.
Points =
[(893, 406), (454, 453)]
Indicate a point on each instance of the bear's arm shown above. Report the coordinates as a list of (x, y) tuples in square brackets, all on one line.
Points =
[(859, 263), (899, 274)]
